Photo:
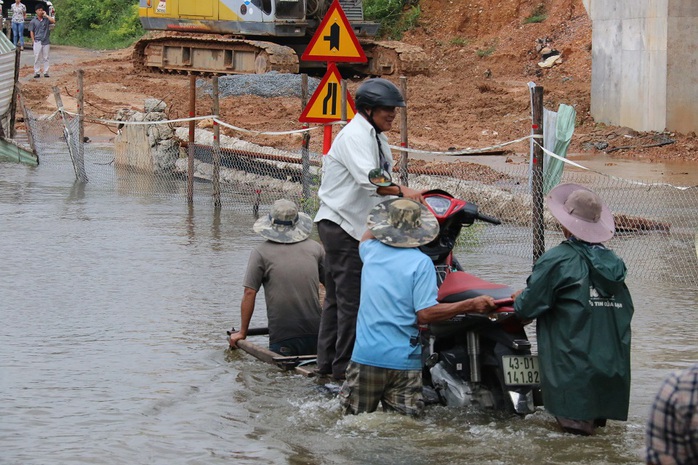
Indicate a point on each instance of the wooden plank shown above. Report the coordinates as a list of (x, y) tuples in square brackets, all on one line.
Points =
[(268, 356), (295, 358), (259, 352)]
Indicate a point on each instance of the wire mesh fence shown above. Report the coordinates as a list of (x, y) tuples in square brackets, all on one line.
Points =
[(656, 223)]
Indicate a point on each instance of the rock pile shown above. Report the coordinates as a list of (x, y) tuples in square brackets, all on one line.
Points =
[(272, 84), (151, 147)]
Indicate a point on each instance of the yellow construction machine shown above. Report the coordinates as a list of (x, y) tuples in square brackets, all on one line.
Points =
[(256, 36)]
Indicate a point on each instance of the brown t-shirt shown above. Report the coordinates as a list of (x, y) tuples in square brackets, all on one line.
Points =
[(290, 275)]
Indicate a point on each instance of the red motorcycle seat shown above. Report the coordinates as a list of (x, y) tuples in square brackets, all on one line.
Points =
[(460, 285)]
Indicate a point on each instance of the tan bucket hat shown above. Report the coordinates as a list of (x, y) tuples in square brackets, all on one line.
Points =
[(582, 212), (284, 223), (402, 223)]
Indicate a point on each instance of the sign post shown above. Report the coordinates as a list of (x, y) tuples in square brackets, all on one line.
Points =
[(334, 41)]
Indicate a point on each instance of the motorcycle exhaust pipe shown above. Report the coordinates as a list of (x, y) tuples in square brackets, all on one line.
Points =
[(473, 340)]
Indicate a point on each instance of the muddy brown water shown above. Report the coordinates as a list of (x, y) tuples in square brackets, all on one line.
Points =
[(113, 351), (677, 173)]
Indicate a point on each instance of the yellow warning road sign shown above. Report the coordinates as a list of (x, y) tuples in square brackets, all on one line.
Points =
[(325, 105), (334, 40)]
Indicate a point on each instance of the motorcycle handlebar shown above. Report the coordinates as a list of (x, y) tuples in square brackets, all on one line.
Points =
[(488, 219)]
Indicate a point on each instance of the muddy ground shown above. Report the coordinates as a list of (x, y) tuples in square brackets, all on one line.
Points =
[(482, 55)]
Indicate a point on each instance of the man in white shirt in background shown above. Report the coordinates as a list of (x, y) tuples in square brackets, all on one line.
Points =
[(40, 29)]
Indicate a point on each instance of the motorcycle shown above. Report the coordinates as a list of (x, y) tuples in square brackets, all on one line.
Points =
[(472, 359)]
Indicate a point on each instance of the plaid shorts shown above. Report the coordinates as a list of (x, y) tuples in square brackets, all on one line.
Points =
[(365, 386)]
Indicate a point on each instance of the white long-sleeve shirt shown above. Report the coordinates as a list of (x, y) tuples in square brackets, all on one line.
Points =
[(346, 195)]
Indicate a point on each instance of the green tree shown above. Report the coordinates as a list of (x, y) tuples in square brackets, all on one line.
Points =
[(99, 24), (394, 16)]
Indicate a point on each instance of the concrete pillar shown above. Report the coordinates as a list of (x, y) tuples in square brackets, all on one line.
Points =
[(644, 63), (682, 66)]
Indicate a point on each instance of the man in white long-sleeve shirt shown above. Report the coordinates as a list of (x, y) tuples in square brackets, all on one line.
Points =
[(346, 198)]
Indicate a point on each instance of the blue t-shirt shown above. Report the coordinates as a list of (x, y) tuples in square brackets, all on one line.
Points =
[(396, 283)]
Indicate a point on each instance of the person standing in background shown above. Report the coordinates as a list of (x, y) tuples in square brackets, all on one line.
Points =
[(39, 28), (19, 14)]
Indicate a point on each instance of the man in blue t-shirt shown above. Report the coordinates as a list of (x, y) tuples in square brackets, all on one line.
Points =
[(398, 292)]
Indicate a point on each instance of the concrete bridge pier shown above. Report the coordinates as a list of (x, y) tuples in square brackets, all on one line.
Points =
[(645, 63)]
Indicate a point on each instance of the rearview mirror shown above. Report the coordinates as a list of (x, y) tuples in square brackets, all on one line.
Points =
[(379, 177)]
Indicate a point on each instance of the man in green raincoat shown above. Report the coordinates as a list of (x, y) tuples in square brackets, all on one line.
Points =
[(583, 308)]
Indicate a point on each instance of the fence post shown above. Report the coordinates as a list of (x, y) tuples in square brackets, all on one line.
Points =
[(13, 102), (81, 116), (404, 176), (192, 129), (305, 149), (27, 120), (216, 147), (537, 222), (78, 165), (343, 106)]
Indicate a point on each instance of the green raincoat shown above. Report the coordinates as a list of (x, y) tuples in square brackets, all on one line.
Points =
[(583, 308)]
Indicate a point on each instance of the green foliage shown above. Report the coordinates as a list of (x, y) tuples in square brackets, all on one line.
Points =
[(394, 16), (460, 41), (487, 51), (104, 24), (538, 16), (469, 238)]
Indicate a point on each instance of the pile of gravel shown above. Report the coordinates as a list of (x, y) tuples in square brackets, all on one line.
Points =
[(271, 84)]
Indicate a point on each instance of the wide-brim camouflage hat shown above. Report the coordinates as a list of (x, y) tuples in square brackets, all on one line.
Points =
[(402, 223), (582, 212), (284, 223)]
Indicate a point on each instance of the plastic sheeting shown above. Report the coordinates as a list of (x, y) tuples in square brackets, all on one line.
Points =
[(7, 73), (558, 128)]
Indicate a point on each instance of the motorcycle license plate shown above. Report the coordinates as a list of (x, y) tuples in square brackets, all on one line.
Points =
[(521, 370)]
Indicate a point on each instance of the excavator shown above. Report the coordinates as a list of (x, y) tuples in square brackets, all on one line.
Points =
[(210, 37)]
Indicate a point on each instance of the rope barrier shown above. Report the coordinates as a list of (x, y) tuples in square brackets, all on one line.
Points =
[(125, 123), (214, 118), (265, 133), (466, 151), (469, 151), (630, 181)]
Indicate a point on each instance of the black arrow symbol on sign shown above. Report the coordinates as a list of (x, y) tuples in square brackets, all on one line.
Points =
[(331, 99), (333, 38)]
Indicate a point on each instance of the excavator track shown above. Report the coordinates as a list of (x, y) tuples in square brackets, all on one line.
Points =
[(177, 52), (393, 58)]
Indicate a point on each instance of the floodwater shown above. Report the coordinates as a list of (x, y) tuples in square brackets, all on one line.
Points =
[(677, 173), (114, 309)]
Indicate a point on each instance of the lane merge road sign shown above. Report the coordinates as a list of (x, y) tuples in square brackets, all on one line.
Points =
[(325, 106)]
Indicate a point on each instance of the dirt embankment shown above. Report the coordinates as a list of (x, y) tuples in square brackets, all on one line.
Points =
[(483, 53)]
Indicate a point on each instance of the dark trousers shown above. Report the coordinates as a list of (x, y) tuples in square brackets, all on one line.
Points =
[(342, 289), (295, 346)]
